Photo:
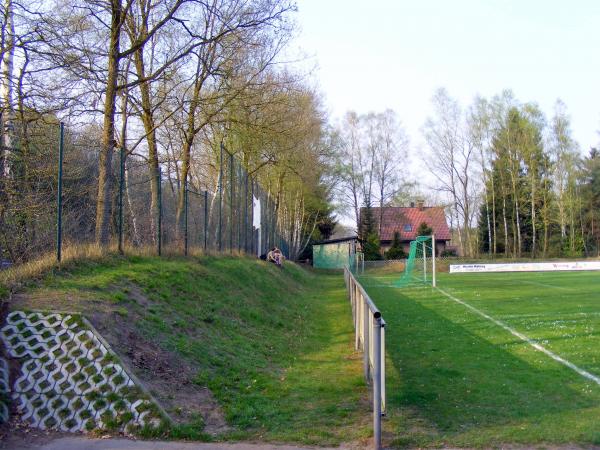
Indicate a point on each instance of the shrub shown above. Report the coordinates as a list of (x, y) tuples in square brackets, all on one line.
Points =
[(372, 248), (396, 251)]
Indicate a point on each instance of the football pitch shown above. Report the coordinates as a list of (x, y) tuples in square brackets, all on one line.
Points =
[(491, 359)]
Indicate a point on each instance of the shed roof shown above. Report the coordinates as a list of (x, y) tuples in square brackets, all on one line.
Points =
[(335, 241)]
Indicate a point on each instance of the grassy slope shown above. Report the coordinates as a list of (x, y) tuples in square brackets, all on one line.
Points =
[(273, 345), (455, 378)]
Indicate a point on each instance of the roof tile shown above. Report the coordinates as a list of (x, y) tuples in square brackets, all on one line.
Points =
[(394, 219)]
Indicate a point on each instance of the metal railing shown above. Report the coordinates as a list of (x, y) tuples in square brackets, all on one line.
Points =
[(369, 331)]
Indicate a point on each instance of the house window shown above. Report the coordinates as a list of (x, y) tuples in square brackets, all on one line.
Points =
[(407, 227)]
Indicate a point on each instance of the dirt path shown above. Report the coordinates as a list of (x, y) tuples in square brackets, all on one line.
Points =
[(80, 443)]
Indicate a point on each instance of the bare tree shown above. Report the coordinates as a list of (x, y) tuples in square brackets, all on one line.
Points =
[(452, 160), (393, 151)]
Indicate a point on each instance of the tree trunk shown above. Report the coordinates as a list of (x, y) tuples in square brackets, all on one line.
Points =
[(148, 122), (136, 235), (105, 179), (6, 88), (188, 143), (517, 217)]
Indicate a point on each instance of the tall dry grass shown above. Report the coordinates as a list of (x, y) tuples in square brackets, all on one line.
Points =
[(13, 278)]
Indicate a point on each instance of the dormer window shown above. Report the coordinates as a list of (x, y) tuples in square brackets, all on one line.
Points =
[(407, 227)]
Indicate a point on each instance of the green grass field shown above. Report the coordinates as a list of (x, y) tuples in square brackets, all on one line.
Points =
[(457, 377), (274, 346)]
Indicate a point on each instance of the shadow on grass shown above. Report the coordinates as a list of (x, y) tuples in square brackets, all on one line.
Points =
[(459, 381)]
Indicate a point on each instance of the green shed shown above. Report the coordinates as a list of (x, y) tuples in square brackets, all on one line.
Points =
[(335, 253)]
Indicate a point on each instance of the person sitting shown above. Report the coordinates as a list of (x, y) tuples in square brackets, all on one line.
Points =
[(275, 256)]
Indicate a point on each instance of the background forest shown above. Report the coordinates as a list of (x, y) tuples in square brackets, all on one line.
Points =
[(183, 96), (161, 87), (514, 182)]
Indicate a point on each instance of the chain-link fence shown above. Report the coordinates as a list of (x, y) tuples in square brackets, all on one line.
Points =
[(49, 188)]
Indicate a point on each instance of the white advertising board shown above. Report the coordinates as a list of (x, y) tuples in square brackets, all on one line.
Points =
[(526, 267)]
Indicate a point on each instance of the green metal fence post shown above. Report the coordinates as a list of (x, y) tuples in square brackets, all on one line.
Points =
[(2, 149), (266, 234), (159, 222), (205, 220), (219, 231), (239, 207), (246, 215), (59, 193), (185, 199), (231, 189), (121, 183), (252, 218)]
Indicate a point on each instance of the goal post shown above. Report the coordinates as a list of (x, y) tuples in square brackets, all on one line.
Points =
[(420, 264), (433, 260)]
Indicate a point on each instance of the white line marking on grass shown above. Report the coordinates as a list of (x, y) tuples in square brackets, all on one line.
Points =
[(535, 283), (535, 345)]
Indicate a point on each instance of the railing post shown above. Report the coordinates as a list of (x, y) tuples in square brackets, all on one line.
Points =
[(366, 342), (377, 381), (357, 322), (61, 143)]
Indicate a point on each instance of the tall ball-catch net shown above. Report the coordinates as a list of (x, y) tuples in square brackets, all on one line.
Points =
[(418, 268), (420, 265)]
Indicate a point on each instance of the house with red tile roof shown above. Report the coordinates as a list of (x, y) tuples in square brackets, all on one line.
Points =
[(406, 221)]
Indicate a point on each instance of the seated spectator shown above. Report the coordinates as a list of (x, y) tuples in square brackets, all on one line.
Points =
[(275, 256)]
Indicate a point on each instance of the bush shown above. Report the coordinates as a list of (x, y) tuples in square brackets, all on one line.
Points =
[(449, 252), (424, 230), (372, 248), (396, 251)]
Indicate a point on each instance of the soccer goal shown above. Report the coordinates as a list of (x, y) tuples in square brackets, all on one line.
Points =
[(420, 265)]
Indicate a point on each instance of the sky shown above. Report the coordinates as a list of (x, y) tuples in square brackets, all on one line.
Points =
[(379, 54)]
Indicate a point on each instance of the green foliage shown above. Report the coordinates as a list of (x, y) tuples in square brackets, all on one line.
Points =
[(371, 245), (424, 230), (372, 248), (319, 207), (448, 252), (590, 196), (520, 173), (326, 226), (396, 250)]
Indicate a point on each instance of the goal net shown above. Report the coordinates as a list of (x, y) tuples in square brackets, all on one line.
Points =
[(420, 264)]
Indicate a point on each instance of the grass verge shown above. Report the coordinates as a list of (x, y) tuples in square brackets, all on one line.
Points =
[(273, 345)]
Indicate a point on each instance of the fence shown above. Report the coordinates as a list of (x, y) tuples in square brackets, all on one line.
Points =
[(49, 186), (369, 331)]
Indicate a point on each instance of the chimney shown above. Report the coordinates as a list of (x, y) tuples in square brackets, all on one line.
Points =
[(420, 204)]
